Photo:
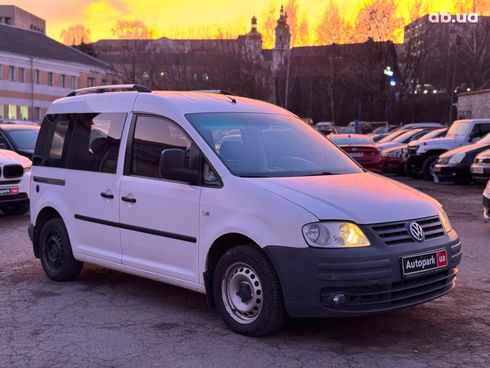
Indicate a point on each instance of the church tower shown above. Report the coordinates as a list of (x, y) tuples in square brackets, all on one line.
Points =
[(283, 39), (253, 41), (283, 36)]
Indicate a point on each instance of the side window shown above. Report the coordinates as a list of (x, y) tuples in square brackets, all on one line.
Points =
[(53, 141), (152, 135), (97, 137), (3, 142), (479, 131)]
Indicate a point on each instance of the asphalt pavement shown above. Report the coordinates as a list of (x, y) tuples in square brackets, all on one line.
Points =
[(110, 319)]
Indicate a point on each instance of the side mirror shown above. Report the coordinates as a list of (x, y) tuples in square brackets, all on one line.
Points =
[(172, 166), (3, 146)]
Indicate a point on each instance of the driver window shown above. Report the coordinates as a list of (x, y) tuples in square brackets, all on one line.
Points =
[(479, 131)]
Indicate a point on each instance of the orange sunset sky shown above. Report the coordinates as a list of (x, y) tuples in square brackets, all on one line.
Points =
[(211, 18)]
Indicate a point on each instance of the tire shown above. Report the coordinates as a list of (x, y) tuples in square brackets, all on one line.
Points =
[(246, 270), (428, 166), (409, 171), (55, 252), (15, 210)]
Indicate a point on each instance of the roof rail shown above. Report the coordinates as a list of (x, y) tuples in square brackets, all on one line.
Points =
[(109, 88)]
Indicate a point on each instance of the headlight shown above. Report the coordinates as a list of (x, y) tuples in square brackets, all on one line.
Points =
[(334, 235), (456, 159), (445, 221), (391, 153)]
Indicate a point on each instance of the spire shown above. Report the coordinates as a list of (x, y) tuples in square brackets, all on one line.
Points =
[(254, 23)]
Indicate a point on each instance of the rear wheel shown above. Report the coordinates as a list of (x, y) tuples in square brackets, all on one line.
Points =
[(55, 252), (247, 292), (428, 167)]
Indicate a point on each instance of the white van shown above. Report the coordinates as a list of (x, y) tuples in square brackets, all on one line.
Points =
[(235, 198)]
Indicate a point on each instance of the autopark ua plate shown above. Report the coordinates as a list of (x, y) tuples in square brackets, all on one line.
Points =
[(424, 262)]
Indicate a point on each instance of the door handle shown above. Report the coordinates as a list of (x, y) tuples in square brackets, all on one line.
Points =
[(129, 199), (107, 195)]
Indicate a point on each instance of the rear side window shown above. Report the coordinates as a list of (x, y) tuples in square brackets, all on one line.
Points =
[(88, 141), (53, 141), (96, 141)]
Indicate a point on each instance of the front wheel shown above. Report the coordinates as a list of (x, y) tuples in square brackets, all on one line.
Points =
[(428, 167), (247, 292), (55, 252)]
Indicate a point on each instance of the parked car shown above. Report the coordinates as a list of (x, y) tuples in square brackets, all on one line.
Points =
[(486, 203), (384, 129), (455, 165), (377, 137), (480, 169), (23, 122), (422, 156), (402, 139), (421, 125), (20, 138), (155, 197), (326, 127), (361, 148), (391, 136), (436, 133), (14, 182)]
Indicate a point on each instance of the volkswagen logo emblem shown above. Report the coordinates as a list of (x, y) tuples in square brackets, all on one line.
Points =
[(416, 231)]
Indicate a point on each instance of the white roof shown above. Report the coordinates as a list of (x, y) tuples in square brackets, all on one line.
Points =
[(167, 103)]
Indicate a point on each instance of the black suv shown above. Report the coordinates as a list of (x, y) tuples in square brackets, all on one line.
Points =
[(20, 138)]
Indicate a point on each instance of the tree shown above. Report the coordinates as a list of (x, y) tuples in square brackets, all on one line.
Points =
[(132, 30), (379, 21), (75, 34), (87, 48), (270, 23), (332, 27)]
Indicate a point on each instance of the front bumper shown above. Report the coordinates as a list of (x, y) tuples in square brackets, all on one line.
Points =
[(451, 173), (415, 161), (14, 200), (370, 277), (480, 172), (393, 164)]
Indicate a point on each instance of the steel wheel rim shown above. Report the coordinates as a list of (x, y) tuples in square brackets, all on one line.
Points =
[(432, 169), (54, 250), (241, 291)]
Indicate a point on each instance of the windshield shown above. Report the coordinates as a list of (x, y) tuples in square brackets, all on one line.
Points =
[(405, 137), (458, 129), (392, 136), (433, 134), (24, 139), (350, 140), (269, 145)]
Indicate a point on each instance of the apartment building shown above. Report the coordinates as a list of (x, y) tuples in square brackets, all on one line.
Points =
[(35, 70), (17, 17)]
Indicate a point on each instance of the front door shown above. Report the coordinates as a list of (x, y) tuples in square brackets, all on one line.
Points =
[(159, 218)]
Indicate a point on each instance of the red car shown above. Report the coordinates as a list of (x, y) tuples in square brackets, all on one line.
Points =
[(361, 148)]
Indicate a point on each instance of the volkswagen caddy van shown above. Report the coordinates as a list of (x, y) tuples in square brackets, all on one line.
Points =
[(235, 198)]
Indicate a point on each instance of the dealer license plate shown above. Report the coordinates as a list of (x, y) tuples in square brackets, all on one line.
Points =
[(4, 191), (424, 262), (356, 154)]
